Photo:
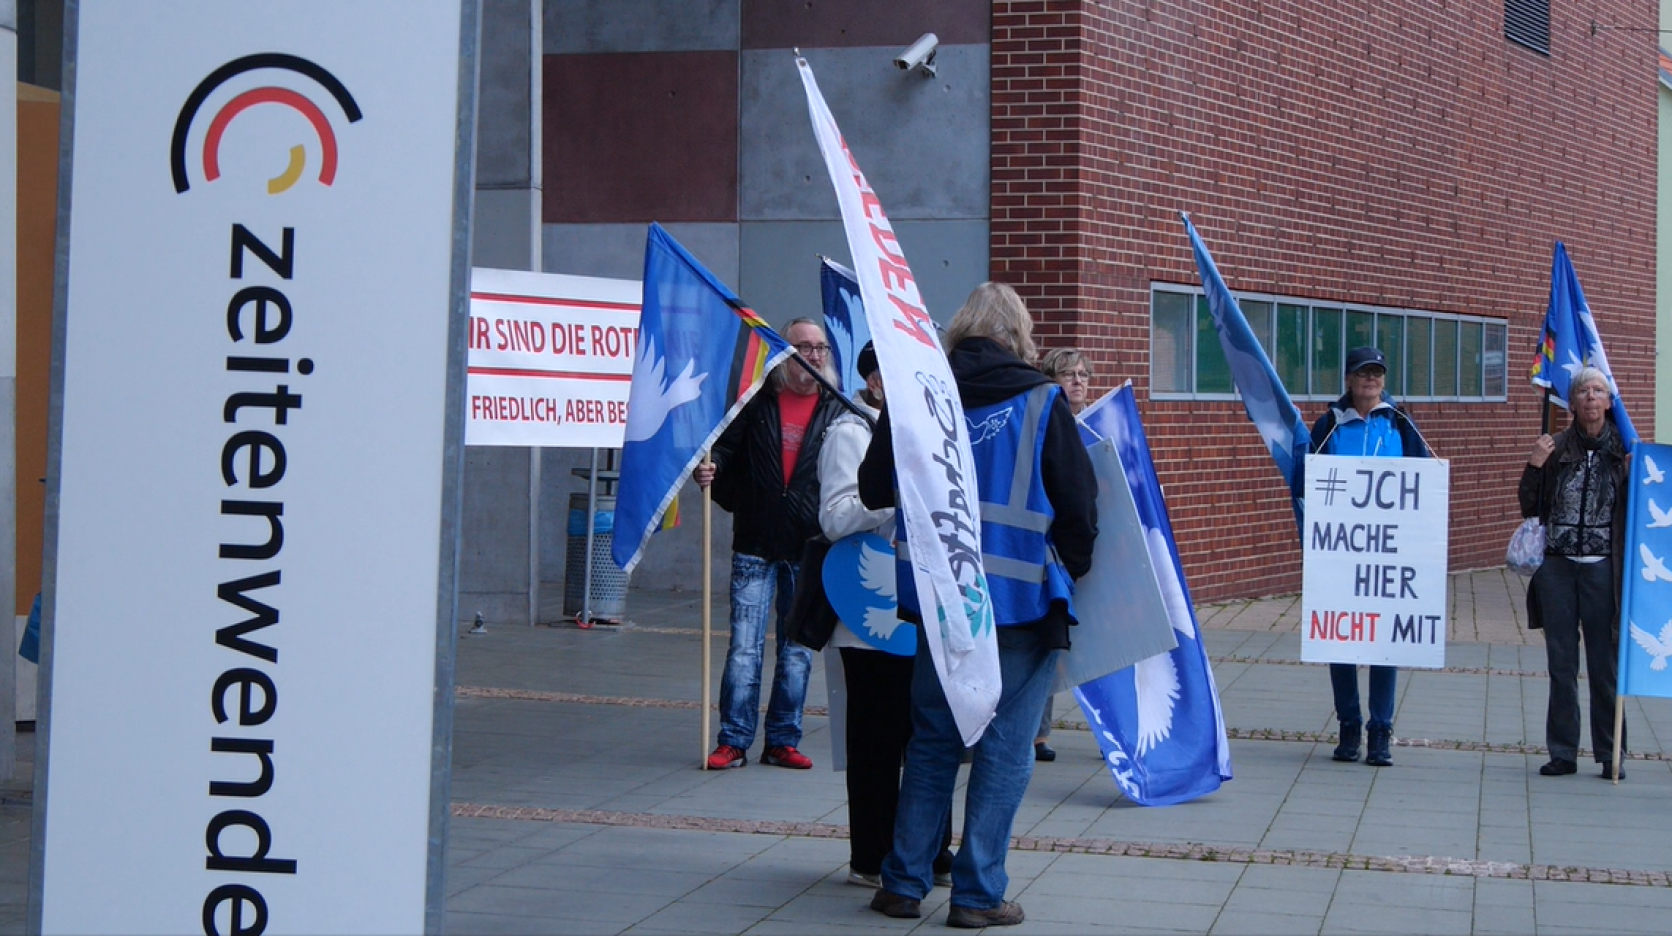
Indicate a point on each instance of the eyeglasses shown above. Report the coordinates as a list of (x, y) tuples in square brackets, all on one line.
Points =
[(1374, 373), (1592, 390), (1078, 376), (808, 349)]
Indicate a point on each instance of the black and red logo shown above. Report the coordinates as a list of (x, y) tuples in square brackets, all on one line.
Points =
[(326, 89)]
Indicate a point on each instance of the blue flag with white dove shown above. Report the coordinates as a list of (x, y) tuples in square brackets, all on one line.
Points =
[(844, 320), (1570, 341), (1158, 723), (1264, 397), (701, 356), (1646, 599), (860, 581)]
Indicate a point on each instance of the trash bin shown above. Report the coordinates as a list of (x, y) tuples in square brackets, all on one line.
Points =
[(609, 583)]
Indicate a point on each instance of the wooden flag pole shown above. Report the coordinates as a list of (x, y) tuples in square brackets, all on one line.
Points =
[(707, 606), (1619, 720)]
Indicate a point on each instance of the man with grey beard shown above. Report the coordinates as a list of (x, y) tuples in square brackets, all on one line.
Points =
[(765, 472)]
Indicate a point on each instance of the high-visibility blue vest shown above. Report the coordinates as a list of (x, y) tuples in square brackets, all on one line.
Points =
[(1024, 574)]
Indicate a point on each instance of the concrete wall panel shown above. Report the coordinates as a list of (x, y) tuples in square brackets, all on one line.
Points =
[(922, 142), (774, 24), (639, 137), (617, 250), (780, 270), (504, 109), (505, 228), (493, 554), (590, 26)]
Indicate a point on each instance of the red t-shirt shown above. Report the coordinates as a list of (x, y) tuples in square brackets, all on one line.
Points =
[(795, 411)]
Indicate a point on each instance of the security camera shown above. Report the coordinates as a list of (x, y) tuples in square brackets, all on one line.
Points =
[(920, 54)]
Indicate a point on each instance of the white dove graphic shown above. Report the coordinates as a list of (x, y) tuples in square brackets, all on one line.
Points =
[(1654, 567), (653, 399), (987, 428), (1662, 518), (876, 573), (1156, 681), (1658, 647), (1573, 365), (1651, 472)]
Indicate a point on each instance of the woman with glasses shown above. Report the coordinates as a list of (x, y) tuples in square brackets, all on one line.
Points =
[(1069, 369), (1366, 421), (1575, 482)]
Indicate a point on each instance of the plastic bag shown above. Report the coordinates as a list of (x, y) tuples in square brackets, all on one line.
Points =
[(1526, 547)]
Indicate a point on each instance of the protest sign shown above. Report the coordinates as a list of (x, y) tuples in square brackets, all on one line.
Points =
[(551, 359), (1373, 589)]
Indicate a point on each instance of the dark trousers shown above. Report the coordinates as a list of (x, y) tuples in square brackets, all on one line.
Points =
[(879, 725), (1576, 599)]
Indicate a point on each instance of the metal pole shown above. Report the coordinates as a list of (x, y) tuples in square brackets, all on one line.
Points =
[(1619, 720), (591, 521), (707, 601)]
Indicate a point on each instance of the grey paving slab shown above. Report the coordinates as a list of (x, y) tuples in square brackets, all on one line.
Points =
[(1260, 923), (611, 725)]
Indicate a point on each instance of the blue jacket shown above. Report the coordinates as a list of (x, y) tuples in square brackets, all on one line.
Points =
[(1388, 431)]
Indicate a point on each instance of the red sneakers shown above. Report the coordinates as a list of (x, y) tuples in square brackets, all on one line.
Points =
[(726, 756), (784, 756)]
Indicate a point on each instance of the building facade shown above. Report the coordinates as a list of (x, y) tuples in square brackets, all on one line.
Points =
[(1392, 173)]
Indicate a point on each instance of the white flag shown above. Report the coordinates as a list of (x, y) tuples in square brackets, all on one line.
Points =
[(937, 494)]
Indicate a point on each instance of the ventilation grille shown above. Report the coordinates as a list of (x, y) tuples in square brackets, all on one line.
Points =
[(1527, 23)]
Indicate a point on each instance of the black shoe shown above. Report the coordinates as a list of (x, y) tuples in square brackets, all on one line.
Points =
[(1608, 771), (1008, 913), (1558, 767), (1347, 750), (1043, 752), (891, 904), (1377, 753)]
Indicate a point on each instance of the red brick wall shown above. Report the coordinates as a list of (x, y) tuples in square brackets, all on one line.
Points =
[(1396, 152)]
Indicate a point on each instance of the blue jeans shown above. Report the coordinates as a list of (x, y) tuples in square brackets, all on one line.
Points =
[(753, 584), (1343, 678), (999, 774)]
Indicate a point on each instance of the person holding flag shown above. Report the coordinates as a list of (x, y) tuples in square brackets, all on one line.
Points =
[(765, 472), (1366, 421), (1575, 483), (1038, 526)]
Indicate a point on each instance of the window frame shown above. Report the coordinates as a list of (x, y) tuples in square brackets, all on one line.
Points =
[(1378, 314)]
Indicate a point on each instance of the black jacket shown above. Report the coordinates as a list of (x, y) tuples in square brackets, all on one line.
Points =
[(1537, 493), (987, 374), (771, 519)]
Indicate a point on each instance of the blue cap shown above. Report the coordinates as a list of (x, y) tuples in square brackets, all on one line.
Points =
[(1364, 357)]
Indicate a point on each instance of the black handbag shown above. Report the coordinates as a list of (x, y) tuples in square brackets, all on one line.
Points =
[(811, 618)]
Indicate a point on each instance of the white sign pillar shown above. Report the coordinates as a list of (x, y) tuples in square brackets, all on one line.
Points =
[(254, 456), (1374, 546)]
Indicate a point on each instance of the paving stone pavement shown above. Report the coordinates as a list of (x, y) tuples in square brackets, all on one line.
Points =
[(578, 805)]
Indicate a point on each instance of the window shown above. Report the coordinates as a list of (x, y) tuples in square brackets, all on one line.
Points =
[(1431, 355), (1527, 23), (1290, 358), (1419, 353), (1213, 372), (1390, 337), (1327, 359), (1445, 358), (1171, 324)]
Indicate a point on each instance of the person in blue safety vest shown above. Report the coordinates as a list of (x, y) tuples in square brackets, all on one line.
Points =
[(1366, 421), (1038, 524)]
